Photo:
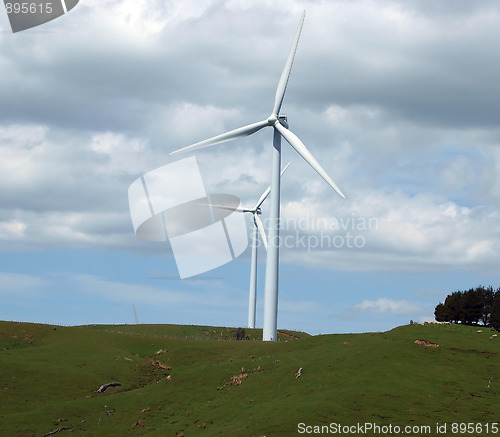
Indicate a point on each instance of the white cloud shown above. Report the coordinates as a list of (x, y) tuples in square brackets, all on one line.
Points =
[(185, 120), (12, 230), (123, 154), (393, 232), (380, 94), (21, 285), (387, 306), (195, 298)]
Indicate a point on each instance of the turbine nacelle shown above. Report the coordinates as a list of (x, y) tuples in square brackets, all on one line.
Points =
[(283, 120), (273, 119)]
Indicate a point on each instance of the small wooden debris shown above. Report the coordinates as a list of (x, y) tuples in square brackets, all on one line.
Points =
[(104, 387), (299, 373), (62, 428), (123, 358)]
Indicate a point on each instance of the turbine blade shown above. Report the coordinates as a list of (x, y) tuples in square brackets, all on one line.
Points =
[(302, 150), (239, 208), (228, 136), (268, 190), (228, 208), (260, 227), (280, 91), (263, 197), (284, 168)]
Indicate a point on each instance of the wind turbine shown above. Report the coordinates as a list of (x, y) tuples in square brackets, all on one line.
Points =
[(280, 130), (258, 228), (135, 315)]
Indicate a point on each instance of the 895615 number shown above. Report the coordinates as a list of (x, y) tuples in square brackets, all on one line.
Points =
[(474, 428), (28, 8)]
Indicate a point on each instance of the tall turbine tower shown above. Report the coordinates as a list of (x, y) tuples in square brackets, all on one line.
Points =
[(258, 228), (280, 130), (135, 315)]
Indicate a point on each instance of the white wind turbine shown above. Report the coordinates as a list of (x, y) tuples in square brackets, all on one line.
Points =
[(135, 315), (280, 129), (258, 228)]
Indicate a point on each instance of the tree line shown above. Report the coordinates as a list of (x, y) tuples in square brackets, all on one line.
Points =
[(480, 305)]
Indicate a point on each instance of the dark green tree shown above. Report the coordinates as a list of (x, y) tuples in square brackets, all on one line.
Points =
[(441, 313), (495, 311), (472, 306), (454, 304), (486, 302), (468, 307)]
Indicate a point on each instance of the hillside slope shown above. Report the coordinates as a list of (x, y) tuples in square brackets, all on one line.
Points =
[(186, 381)]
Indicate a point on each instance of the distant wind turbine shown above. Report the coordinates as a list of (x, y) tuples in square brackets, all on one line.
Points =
[(258, 228), (135, 315), (280, 129)]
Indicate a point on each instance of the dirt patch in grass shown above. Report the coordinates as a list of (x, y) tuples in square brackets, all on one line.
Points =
[(426, 343)]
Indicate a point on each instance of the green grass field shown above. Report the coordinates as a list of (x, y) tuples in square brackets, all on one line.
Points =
[(204, 383)]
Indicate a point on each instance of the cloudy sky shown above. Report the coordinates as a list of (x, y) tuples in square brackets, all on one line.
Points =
[(398, 101)]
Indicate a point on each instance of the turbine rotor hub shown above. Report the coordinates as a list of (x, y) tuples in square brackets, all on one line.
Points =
[(271, 121)]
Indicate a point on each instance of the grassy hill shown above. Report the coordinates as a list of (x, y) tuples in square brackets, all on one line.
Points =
[(197, 381)]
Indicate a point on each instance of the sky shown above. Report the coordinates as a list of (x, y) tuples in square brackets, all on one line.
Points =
[(398, 101)]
